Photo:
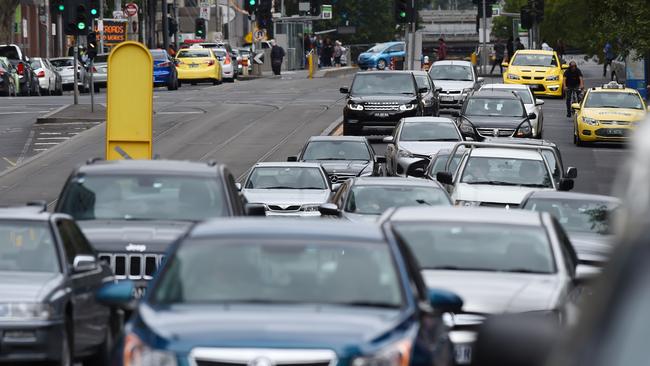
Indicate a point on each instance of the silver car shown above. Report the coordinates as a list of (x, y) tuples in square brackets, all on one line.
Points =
[(458, 79), (226, 61), (100, 71), (293, 189), (64, 66)]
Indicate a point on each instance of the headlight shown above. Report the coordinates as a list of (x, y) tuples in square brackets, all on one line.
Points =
[(468, 90), (524, 129), (468, 203), (404, 154), (355, 107), (25, 311), (397, 354), (466, 127), (553, 78), (309, 208), (590, 121), (136, 353), (367, 171), (407, 107), (513, 77)]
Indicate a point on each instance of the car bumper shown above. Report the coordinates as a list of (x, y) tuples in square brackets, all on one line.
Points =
[(161, 76), (31, 341), (616, 133), (228, 72), (293, 214), (452, 101), (198, 74), (540, 87), (380, 120), (43, 83)]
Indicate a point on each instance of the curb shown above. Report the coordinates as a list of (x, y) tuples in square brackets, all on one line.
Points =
[(49, 117), (335, 72), (332, 127)]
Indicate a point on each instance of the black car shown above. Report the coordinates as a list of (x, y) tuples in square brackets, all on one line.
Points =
[(494, 114), (379, 99), (342, 157), (28, 80), (131, 211), (430, 99), (48, 276)]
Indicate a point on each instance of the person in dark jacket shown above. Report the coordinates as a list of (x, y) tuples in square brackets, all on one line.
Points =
[(510, 48), (277, 54)]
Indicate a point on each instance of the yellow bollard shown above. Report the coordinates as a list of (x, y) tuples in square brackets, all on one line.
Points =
[(474, 58), (310, 60)]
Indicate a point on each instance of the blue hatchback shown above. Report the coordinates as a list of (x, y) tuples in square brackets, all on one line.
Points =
[(379, 56), (164, 70), (267, 292)]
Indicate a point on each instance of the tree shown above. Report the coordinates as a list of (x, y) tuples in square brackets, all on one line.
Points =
[(7, 11), (372, 18)]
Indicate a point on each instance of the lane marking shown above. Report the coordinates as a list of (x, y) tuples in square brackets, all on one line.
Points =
[(188, 112), (46, 143), (54, 138), (31, 112), (9, 161), (28, 143)]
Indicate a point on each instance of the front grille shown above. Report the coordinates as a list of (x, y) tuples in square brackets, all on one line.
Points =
[(618, 123), (381, 106), (451, 92), (496, 132), (499, 204), (290, 208), (612, 132), (261, 356), (339, 178), (133, 266)]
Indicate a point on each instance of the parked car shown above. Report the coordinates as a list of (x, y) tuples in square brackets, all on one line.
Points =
[(28, 81), (380, 55), (245, 53), (533, 105), (65, 67), (9, 82), (164, 70), (287, 293), (457, 79), (100, 71), (49, 79), (49, 277)]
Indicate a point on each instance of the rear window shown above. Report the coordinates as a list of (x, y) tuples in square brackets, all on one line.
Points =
[(194, 53), (9, 52), (220, 53), (62, 62), (36, 64)]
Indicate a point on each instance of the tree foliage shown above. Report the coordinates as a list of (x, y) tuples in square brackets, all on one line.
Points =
[(373, 20), (7, 11)]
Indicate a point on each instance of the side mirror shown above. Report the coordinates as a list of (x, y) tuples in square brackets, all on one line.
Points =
[(329, 209), (585, 274), (480, 80), (239, 186), (380, 159), (116, 294), (565, 66), (505, 64), (445, 178), (84, 263), (423, 90), (469, 138), (255, 209), (566, 184), (575, 106), (292, 158), (444, 301), (572, 172), (455, 113), (388, 139), (344, 90), (539, 102), (438, 90), (532, 115)]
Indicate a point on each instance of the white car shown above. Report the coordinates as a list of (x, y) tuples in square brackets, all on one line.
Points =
[(64, 65), (226, 61), (48, 80), (501, 175), (458, 79), (532, 104)]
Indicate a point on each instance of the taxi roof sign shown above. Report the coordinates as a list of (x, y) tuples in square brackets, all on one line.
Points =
[(613, 85)]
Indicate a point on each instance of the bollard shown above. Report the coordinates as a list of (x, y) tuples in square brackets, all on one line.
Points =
[(244, 65), (474, 58), (310, 60)]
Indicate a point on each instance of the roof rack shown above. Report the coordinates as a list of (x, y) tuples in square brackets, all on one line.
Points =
[(471, 145)]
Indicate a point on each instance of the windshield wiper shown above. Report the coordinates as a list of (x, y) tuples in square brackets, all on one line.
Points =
[(494, 183), (374, 304), (333, 159), (423, 202), (276, 187), (523, 270), (534, 185), (319, 188), (457, 268), (429, 140)]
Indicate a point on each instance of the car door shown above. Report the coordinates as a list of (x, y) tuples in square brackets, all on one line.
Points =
[(391, 151), (89, 317)]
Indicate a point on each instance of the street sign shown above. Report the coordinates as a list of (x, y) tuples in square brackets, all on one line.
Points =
[(129, 102), (259, 58), (259, 34), (113, 31), (326, 12), (204, 12), (131, 9)]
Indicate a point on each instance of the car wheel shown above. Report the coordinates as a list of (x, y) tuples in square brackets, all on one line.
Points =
[(349, 130), (172, 85), (381, 64), (576, 138), (193, 83)]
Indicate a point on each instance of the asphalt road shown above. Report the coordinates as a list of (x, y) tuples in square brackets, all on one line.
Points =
[(237, 124)]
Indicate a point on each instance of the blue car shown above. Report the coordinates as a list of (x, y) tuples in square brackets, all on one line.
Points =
[(164, 70), (379, 56), (271, 292)]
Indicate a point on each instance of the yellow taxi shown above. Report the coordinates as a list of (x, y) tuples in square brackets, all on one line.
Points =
[(608, 113), (196, 65), (540, 70)]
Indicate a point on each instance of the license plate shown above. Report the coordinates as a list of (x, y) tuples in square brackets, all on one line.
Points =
[(463, 354), (381, 114), (447, 98), (193, 66), (616, 132)]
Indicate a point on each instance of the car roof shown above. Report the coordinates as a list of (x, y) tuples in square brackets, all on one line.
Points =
[(428, 119), (384, 72), (505, 86), (338, 138), (394, 181), (536, 52), (321, 230), (600, 89), (490, 152), (520, 141), (465, 214), (453, 62), (287, 164), (560, 195), (27, 212), (169, 167), (494, 94)]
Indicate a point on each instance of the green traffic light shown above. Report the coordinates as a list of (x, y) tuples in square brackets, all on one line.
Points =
[(251, 2), (93, 11), (81, 25), (402, 14), (61, 7)]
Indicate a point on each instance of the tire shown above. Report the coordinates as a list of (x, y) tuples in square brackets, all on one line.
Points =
[(349, 130), (381, 64), (576, 139)]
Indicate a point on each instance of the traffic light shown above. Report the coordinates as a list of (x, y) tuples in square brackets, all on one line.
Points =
[(403, 11), (91, 45), (172, 26), (82, 21), (77, 16), (537, 7), (200, 28), (526, 17), (264, 14), (488, 11), (93, 8), (58, 6), (251, 6), (314, 7)]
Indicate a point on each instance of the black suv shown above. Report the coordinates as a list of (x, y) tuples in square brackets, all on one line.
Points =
[(494, 114), (379, 99), (132, 210), (50, 274)]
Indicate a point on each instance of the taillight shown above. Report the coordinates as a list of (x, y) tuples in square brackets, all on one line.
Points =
[(228, 60), (210, 62), (20, 68), (41, 74), (94, 69), (164, 64)]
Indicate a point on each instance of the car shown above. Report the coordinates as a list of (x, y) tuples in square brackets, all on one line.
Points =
[(587, 219), (431, 98), (500, 175), (608, 113), (280, 292), (498, 261), (49, 79), (380, 55), (415, 139), (65, 66), (365, 199), (164, 70), (196, 65), (288, 189), (618, 69), (9, 82), (226, 61), (541, 70), (533, 105), (27, 78), (457, 79), (132, 210), (100, 71), (379, 100), (437, 163), (342, 157), (49, 277), (494, 114)]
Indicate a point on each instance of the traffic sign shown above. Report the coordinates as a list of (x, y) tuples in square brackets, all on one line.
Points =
[(131, 9), (129, 102), (204, 12), (326, 12), (259, 34), (259, 58)]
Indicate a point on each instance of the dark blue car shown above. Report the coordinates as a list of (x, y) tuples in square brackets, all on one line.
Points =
[(269, 292), (164, 70)]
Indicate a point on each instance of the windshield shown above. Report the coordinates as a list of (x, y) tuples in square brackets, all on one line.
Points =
[(9, 52), (494, 107), (62, 62), (286, 178), (429, 131), (451, 72), (158, 54), (377, 48), (524, 94), (144, 197), (336, 150), (373, 84), (534, 60), (471, 246), (581, 216), (27, 247), (220, 53), (193, 54), (375, 199), (506, 171), (282, 271), (613, 100)]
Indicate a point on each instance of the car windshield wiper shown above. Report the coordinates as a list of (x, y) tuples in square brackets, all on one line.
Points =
[(276, 187), (534, 185), (333, 159), (523, 270), (457, 268), (428, 140), (494, 183), (423, 202), (319, 188), (374, 304)]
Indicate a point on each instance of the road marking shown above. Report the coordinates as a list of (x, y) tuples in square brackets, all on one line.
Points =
[(9, 161), (54, 138), (52, 133), (46, 143), (189, 112), (28, 143), (31, 112)]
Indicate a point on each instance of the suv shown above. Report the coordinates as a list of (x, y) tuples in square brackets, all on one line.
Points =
[(28, 81), (379, 99), (132, 210), (457, 79)]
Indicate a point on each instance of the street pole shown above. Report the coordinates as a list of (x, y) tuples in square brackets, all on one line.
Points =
[(484, 40), (59, 34), (165, 25), (90, 68), (178, 26), (48, 28), (412, 36), (101, 19), (75, 64)]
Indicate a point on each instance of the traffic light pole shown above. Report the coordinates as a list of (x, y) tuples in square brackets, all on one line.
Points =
[(48, 28), (484, 56), (412, 36), (92, 71), (75, 65), (165, 25)]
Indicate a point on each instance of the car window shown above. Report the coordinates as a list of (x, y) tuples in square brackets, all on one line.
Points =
[(427, 131), (451, 72), (506, 171), (220, 53), (396, 48), (27, 246), (423, 81), (63, 62), (440, 163), (377, 48), (9, 52), (375, 199), (336, 150), (576, 215), (494, 107), (36, 64), (286, 178), (382, 83), (526, 59), (194, 53), (74, 242), (613, 100)]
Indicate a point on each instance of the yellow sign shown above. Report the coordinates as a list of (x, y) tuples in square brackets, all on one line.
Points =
[(129, 102)]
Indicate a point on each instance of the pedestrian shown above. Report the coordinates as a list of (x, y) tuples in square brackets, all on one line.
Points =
[(510, 47), (442, 49), (519, 45), (277, 54), (573, 83), (328, 52), (608, 51), (499, 50), (560, 48), (546, 47), (338, 52), (171, 50)]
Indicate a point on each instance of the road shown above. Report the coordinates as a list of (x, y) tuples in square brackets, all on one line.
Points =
[(237, 124)]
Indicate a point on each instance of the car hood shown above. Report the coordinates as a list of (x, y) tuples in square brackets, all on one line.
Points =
[(286, 196), (398, 98), (27, 286), (495, 122), (592, 248), (496, 293), (368, 55), (492, 193), (426, 147), (535, 70), (614, 114), (342, 166), (453, 84), (136, 236), (355, 217), (269, 326)]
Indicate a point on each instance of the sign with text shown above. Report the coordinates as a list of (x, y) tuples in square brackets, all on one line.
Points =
[(114, 31)]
